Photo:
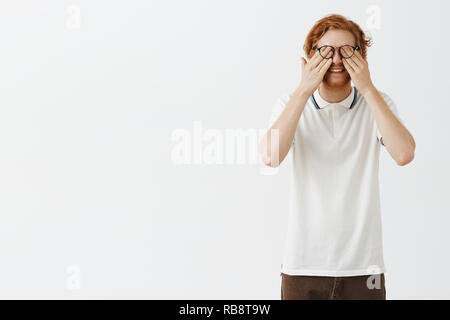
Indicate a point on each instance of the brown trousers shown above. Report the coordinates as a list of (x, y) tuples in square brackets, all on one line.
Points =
[(333, 288)]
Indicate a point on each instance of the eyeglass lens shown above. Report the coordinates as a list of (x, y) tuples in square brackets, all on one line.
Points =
[(345, 51)]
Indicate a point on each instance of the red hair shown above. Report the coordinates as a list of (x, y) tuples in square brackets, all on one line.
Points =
[(336, 22)]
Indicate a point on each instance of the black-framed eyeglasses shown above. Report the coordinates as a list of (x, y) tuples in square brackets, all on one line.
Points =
[(345, 52)]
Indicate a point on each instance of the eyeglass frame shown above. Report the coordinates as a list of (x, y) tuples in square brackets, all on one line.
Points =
[(339, 50)]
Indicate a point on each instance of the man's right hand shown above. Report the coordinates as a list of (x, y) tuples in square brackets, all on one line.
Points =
[(313, 72)]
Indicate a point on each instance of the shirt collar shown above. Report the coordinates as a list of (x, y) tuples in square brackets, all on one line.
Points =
[(348, 102)]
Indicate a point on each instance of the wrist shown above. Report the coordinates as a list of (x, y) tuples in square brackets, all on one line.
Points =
[(302, 93), (368, 91)]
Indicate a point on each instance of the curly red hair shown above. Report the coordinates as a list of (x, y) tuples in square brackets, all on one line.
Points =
[(337, 22)]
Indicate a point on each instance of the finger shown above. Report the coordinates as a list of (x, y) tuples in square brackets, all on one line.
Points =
[(352, 64), (352, 60), (321, 63), (314, 56), (326, 66), (357, 60), (359, 56), (318, 59), (348, 67), (315, 60), (302, 62)]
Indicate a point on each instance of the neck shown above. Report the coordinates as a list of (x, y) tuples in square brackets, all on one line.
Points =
[(333, 94)]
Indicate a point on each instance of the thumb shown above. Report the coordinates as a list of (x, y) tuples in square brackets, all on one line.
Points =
[(302, 62)]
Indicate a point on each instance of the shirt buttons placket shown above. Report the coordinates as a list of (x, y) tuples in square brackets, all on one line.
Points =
[(332, 120)]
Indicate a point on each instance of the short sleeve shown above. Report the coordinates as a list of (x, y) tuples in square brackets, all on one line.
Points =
[(277, 109), (391, 104)]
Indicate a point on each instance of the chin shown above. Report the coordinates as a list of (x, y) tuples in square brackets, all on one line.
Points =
[(336, 83)]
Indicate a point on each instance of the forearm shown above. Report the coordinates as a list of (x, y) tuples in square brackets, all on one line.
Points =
[(277, 141), (396, 138)]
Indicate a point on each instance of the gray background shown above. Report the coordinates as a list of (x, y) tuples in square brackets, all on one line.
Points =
[(92, 204)]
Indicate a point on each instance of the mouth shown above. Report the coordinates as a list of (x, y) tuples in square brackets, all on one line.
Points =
[(336, 70)]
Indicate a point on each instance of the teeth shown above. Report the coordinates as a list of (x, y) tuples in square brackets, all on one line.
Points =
[(337, 70)]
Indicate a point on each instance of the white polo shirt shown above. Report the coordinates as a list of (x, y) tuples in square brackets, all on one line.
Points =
[(334, 225)]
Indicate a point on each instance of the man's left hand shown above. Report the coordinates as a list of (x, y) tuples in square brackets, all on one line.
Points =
[(358, 68)]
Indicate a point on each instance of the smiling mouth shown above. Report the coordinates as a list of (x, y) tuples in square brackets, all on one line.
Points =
[(336, 70)]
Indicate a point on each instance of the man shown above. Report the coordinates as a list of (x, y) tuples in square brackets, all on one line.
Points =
[(334, 132)]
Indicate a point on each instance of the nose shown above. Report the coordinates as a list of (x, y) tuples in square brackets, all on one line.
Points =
[(337, 60)]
